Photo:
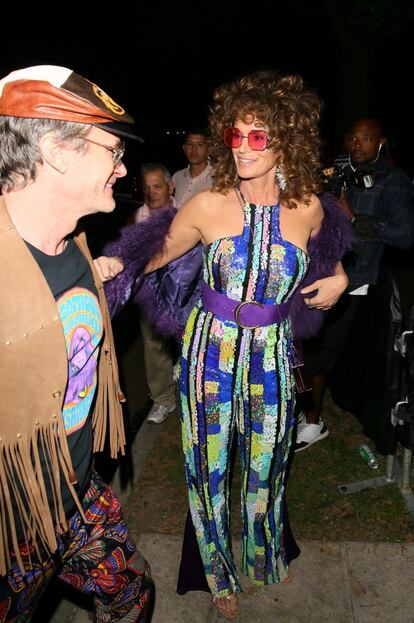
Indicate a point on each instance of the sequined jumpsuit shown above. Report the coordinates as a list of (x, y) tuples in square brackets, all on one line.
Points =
[(233, 378)]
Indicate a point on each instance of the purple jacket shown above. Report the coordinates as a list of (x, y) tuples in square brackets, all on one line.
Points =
[(168, 295)]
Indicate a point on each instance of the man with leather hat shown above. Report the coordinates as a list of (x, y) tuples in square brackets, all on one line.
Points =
[(61, 148)]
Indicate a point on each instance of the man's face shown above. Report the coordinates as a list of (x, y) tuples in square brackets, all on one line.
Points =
[(92, 173), (195, 149), (363, 142), (156, 190)]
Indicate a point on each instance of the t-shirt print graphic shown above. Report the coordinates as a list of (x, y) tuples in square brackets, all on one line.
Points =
[(82, 324)]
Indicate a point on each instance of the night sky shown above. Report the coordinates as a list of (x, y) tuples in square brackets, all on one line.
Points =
[(162, 60)]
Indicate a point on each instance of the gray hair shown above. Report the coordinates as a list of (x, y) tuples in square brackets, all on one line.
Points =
[(151, 167), (19, 146)]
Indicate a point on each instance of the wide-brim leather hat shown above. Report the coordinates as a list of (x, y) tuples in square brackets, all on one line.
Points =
[(53, 92)]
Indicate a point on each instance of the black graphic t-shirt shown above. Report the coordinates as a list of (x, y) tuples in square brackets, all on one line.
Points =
[(70, 280)]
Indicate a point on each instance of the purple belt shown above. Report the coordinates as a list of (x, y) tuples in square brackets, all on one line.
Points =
[(247, 314)]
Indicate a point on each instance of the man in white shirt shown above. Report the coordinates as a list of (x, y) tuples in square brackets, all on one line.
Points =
[(198, 175), (157, 188)]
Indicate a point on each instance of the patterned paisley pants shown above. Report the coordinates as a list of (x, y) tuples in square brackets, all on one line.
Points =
[(97, 557)]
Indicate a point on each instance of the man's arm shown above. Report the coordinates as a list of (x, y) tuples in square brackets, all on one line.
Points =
[(398, 229), (108, 267), (344, 204)]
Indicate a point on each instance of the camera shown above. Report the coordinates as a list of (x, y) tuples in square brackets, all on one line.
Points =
[(337, 178)]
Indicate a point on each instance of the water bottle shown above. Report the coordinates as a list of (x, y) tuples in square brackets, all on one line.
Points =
[(368, 456)]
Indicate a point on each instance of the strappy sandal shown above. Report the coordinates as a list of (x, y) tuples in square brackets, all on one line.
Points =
[(230, 615)]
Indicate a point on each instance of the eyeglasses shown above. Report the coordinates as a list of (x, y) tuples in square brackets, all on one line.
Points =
[(117, 152), (256, 139)]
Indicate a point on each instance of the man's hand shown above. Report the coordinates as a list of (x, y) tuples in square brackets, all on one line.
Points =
[(328, 292), (108, 267)]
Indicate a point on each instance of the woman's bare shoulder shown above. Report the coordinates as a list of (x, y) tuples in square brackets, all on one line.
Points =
[(204, 202), (311, 210), (312, 204)]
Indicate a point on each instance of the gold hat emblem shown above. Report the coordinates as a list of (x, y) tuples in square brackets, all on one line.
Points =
[(108, 101)]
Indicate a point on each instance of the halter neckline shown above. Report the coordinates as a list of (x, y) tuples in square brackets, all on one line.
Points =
[(244, 202)]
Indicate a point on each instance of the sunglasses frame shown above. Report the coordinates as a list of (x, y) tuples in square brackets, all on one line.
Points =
[(229, 135)]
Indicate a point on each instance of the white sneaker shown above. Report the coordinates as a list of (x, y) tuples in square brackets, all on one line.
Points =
[(307, 434), (159, 413)]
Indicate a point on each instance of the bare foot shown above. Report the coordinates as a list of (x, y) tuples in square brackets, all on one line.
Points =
[(288, 578), (227, 606)]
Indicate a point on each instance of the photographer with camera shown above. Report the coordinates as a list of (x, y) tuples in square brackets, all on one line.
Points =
[(378, 200)]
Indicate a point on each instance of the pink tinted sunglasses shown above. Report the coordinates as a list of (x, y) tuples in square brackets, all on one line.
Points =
[(256, 139)]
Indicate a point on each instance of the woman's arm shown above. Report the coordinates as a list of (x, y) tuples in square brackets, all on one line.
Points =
[(325, 277), (328, 289), (183, 235)]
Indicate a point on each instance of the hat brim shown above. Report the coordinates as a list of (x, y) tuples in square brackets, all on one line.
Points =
[(125, 130)]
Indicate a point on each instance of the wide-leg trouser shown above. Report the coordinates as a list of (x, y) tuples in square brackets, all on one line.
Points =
[(236, 380)]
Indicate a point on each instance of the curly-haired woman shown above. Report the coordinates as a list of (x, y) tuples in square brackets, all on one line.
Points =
[(236, 364)]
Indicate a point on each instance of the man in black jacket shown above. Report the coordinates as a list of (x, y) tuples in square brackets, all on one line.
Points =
[(378, 200)]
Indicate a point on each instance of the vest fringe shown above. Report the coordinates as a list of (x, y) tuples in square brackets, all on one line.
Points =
[(108, 405), (21, 477)]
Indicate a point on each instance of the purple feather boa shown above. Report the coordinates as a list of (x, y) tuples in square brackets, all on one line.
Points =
[(168, 295), (135, 246), (325, 250)]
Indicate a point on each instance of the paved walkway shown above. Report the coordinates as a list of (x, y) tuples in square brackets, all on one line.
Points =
[(332, 582)]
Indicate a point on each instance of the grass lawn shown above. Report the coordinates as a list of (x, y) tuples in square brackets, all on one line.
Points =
[(317, 511)]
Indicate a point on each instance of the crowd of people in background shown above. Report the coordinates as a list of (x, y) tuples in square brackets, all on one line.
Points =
[(160, 190), (247, 256)]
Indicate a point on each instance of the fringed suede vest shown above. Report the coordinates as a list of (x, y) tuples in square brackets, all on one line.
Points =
[(33, 378)]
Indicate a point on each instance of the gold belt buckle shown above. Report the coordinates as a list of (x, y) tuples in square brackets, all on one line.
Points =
[(239, 308)]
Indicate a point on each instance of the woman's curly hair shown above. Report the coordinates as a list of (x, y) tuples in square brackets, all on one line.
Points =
[(289, 110)]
